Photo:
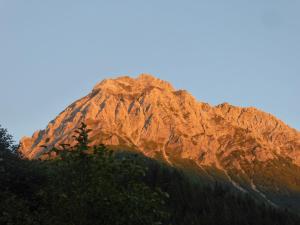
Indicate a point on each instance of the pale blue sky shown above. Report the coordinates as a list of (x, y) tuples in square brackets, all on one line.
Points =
[(52, 52)]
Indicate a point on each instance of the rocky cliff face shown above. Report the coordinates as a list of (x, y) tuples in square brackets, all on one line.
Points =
[(149, 115)]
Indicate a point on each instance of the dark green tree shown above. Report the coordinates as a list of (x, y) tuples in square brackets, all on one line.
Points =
[(91, 186), (6, 142)]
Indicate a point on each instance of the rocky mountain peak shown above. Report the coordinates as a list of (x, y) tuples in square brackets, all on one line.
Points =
[(127, 84), (148, 115)]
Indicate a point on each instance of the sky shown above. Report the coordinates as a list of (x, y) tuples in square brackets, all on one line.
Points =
[(52, 52)]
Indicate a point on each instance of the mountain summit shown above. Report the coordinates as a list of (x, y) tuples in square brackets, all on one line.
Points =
[(253, 150)]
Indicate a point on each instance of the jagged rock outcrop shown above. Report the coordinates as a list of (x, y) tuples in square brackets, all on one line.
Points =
[(149, 115)]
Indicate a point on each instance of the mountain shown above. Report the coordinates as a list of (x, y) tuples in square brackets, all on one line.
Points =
[(245, 147)]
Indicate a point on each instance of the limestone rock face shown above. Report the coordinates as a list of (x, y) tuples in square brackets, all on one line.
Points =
[(252, 149), (148, 114)]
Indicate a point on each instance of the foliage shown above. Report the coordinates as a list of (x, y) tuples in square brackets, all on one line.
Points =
[(192, 202), (83, 186), (6, 142)]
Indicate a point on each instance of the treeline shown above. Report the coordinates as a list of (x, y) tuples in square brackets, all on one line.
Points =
[(84, 186), (194, 203)]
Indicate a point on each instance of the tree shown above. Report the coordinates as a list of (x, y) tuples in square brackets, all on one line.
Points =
[(6, 142), (19, 179), (91, 186)]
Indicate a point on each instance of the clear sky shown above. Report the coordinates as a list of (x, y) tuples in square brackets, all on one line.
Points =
[(245, 52)]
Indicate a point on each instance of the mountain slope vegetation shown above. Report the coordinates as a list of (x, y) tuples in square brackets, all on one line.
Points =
[(84, 185)]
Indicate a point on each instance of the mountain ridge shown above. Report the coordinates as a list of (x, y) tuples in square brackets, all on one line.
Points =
[(137, 89), (151, 116)]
